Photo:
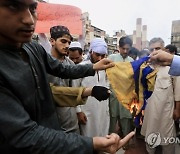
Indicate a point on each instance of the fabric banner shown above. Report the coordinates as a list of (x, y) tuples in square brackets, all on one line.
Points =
[(57, 14)]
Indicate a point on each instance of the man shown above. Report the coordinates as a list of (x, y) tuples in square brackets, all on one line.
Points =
[(118, 113), (60, 41), (94, 115), (133, 53), (75, 52), (163, 103), (29, 123)]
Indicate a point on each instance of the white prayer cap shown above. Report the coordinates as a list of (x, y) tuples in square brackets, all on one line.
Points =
[(75, 44), (98, 45)]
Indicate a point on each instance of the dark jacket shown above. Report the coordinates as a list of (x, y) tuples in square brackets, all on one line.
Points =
[(28, 120)]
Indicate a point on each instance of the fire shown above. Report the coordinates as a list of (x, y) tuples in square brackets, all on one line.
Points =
[(134, 107)]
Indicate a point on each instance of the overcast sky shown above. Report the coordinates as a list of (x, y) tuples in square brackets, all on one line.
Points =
[(112, 15)]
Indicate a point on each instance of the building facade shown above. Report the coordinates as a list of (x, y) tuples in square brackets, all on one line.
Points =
[(116, 37), (90, 32), (175, 34), (140, 35)]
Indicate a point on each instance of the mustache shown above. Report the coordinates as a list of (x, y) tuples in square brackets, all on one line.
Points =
[(30, 29)]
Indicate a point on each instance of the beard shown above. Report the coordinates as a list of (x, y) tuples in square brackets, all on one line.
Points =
[(61, 54)]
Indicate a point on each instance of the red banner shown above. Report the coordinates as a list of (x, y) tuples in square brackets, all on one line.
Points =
[(56, 14)]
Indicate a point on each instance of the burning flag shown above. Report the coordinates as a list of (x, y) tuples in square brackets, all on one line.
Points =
[(133, 83)]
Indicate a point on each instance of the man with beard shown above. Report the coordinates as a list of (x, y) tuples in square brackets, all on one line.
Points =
[(94, 115), (75, 52)]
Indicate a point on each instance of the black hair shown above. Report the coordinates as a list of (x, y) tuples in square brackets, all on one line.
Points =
[(143, 53), (61, 34), (171, 48), (125, 40), (76, 48), (133, 51)]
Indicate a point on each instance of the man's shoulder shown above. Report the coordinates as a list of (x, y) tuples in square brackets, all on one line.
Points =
[(130, 59), (34, 48), (85, 62), (69, 61), (113, 55), (33, 44)]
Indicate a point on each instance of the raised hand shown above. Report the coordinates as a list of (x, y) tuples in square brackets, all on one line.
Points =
[(107, 144), (82, 119), (161, 57), (111, 143)]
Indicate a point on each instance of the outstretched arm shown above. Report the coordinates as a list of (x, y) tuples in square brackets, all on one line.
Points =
[(73, 96)]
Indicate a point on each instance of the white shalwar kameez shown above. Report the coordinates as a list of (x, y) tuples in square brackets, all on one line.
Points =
[(97, 112)]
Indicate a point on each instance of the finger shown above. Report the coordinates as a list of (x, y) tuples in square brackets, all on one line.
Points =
[(109, 65), (112, 139), (115, 136), (108, 136), (154, 59), (123, 141), (114, 147), (107, 60), (85, 118), (83, 121), (109, 91), (153, 53)]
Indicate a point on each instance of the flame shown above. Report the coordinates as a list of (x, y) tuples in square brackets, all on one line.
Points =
[(134, 107), (141, 119)]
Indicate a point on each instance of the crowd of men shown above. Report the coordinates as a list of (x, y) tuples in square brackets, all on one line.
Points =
[(61, 101)]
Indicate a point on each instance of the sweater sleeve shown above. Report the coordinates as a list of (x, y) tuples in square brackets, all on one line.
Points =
[(55, 67), (68, 96), (20, 132)]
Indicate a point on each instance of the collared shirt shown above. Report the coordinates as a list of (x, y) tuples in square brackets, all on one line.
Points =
[(118, 58)]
